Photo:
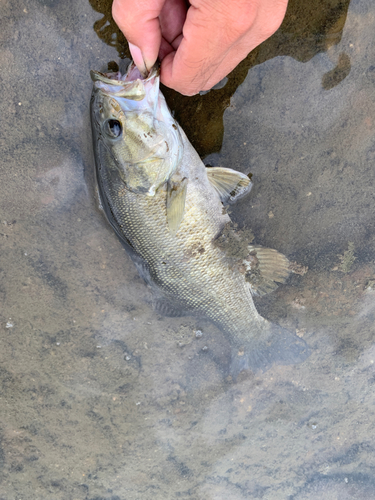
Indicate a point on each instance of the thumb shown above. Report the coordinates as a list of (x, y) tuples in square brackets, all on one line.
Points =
[(139, 21)]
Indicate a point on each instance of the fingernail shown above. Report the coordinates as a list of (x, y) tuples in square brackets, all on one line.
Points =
[(138, 59)]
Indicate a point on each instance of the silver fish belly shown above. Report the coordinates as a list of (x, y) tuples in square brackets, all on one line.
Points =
[(167, 209)]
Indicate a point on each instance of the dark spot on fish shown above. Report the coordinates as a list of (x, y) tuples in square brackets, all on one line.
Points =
[(234, 242), (167, 146)]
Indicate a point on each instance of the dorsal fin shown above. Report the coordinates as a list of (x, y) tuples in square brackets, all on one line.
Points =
[(229, 184)]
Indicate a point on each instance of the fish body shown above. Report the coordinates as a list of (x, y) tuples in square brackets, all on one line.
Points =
[(167, 209)]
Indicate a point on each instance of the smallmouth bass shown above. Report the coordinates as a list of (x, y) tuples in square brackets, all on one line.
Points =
[(167, 209)]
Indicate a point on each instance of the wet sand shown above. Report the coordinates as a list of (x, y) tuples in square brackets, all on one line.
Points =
[(100, 397)]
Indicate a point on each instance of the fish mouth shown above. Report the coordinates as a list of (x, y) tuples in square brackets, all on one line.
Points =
[(131, 85)]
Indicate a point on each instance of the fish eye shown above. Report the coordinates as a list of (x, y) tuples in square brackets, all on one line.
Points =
[(113, 128)]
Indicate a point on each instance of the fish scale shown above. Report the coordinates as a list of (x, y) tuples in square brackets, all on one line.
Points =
[(169, 212), (199, 280)]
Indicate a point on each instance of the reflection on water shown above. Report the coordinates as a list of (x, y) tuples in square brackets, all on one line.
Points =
[(103, 399)]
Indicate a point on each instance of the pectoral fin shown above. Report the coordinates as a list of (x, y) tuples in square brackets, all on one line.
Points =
[(176, 195), (229, 184), (266, 268)]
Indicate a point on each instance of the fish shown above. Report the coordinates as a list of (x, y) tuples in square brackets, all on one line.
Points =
[(169, 211)]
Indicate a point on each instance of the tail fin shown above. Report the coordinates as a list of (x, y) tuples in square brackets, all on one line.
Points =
[(275, 346)]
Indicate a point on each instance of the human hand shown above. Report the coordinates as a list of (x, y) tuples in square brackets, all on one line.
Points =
[(198, 45)]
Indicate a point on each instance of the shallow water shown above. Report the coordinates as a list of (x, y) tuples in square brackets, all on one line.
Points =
[(101, 398)]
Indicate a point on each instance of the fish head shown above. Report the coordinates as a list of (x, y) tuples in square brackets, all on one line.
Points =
[(133, 127)]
